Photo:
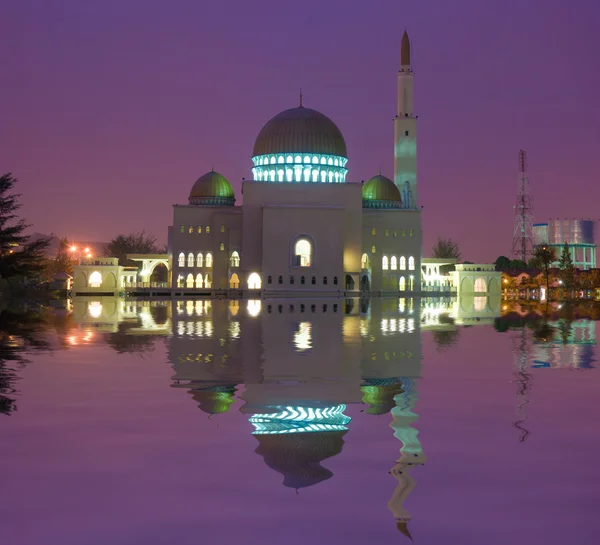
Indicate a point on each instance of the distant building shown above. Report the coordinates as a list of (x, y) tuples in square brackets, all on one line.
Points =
[(580, 235)]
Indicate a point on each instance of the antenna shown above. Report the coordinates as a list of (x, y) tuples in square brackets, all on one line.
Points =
[(522, 246)]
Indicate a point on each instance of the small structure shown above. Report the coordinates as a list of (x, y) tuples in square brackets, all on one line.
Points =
[(432, 278), (61, 282), (101, 276), (476, 279), (150, 262)]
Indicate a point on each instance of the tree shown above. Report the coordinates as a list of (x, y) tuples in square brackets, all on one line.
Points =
[(502, 263), (134, 243), (518, 265), (546, 255), (446, 248), (19, 256), (567, 270), (63, 262)]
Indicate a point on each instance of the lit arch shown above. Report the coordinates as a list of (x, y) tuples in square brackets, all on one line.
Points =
[(190, 260), (209, 260), (394, 263), (364, 262), (95, 280), (254, 282), (199, 280), (235, 259), (480, 285), (182, 259), (234, 282), (189, 282), (303, 252), (402, 263), (199, 260), (385, 263), (402, 283), (411, 263)]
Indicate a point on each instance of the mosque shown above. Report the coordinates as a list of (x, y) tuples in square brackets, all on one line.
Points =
[(303, 227)]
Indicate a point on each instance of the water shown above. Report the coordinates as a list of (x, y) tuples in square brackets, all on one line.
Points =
[(132, 422)]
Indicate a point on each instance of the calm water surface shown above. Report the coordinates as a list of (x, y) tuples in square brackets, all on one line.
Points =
[(312, 421)]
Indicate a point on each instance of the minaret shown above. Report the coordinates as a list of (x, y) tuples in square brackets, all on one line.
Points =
[(411, 453), (405, 132)]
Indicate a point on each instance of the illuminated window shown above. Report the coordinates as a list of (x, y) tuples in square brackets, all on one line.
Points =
[(189, 283), (95, 280), (199, 280), (373, 249), (373, 231), (394, 263), (207, 230), (387, 232), (335, 281), (480, 286), (208, 281), (402, 283), (182, 229), (234, 282), (402, 263), (209, 260), (181, 259), (254, 282), (199, 229), (411, 233), (180, 281), (403, 232), (303, 253), (190, 229), (395, 233), (235, 259), (222, 247), (411, 263), (190, 260), (199, 260), (364, 261), (385, 263), (280, 175), (222, 228)]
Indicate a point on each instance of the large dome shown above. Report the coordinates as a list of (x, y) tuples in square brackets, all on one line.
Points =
[(212, 189), (300, 130), (381, 192)]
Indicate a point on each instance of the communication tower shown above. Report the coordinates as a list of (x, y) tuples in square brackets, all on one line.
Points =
[(523, 233)]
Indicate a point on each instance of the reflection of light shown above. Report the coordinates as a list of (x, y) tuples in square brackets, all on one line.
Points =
[(234, 329), (73, 340), (479, 303), (234, 307), (300, 420), (364, 328), (88, 336), (303, 337), (95, 309), (254, 307), (189, 308), (402, 305)]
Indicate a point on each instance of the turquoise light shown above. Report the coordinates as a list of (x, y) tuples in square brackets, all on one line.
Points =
[(300, 420)]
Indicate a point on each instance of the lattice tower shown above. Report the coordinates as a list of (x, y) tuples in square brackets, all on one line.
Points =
[(523, 232)]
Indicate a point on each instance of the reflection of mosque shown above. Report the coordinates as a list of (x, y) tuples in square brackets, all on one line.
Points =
[(572, 346), (301, 363)]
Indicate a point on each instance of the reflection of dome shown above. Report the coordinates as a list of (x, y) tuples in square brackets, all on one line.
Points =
[(300, 145), (300, 130), (215, 399), (380, 398), (212, 189), (381, 192), (298, 456)]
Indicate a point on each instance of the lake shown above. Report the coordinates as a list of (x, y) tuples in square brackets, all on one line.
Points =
[(326, 421)]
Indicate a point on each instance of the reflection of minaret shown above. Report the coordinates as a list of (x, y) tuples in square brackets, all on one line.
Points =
[(411, 452)]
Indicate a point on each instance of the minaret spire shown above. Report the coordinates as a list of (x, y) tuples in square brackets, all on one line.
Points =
[(405, 50), (301, 106)]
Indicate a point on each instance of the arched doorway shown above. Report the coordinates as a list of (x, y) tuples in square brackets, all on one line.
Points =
[(349, 281), (365, 285), (254, 282), (160, 273), (234, 282)]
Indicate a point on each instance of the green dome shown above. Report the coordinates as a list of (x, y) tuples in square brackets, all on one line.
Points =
[(381, 192), (300, 130), (212, 189)]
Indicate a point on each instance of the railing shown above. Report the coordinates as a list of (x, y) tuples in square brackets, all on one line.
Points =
[(146, 285)]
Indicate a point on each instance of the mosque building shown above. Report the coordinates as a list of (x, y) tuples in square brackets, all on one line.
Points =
[(303, 226)]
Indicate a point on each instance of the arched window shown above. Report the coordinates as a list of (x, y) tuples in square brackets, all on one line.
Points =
[(234, 282), (269, 279), (180, 281), (235, 259), (402, 283), (480, 285), (385, 263), (199, 280), (207, 230), (222, 246), (291, 279), (364, 262), (303, 253), (209, 260), (411, 263), (182, 229), (302, 280), (95, 280), (280, 280), (199, 260), (373, 231), (189, 283), (208, 281), (181, 259), (190, 229), (387, 232), (335, 281), (254, 282), (190, 259), (373, 249), (199, 229), (314, 280), (222, 228), (394, 263), (325, 280), (402, 263)]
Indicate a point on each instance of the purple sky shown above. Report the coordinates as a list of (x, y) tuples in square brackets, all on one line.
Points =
[(114, 108)]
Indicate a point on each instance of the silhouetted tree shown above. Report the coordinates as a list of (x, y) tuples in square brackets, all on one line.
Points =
[(63, 262), (502, 263), (567, 270), (546, 255), (446, 248), (134, 243)]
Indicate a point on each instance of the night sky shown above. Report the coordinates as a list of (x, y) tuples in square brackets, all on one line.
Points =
[(110, 110)]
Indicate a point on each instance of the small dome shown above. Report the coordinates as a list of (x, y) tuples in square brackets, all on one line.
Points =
[(300, 130), (381, 192), (212, 189)]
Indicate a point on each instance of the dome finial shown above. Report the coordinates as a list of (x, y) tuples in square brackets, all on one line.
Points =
[(301, 106)]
